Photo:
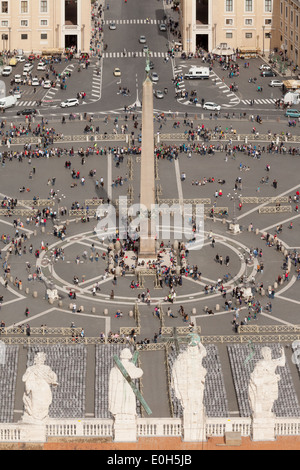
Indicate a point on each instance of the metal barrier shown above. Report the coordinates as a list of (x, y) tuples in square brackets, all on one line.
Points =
[(274, 209)]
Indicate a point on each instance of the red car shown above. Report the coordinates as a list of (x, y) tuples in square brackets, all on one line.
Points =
[(31, 57)]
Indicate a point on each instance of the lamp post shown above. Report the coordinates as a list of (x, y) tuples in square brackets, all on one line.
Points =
[(234, 225), (263, 54)]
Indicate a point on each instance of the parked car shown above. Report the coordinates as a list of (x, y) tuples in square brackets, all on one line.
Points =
[(265, 67), (41, 66), (26, 112), (162, 27), (154, 77), (20, 58), (275, 83), (31, 57), (292, 113), (18, 78), (7, 71), (211, 106), (69, 103), (27, 69), (268, 73), (117, 72), (13, 62), (159, 94)]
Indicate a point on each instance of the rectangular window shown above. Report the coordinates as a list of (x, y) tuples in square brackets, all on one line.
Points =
[(24, 6), (24, 36), (44, 6), (24, 23), (248, 35), (268, 6), (248, 21), (44, 36), (229, 21), (44, 23), (268, 21), (4, 7), (4, 23), (229, 35), (229, 5), (248, 5)]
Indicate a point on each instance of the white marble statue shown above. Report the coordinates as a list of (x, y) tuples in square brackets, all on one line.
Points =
[(122, 399), (263, 386), (38, 395), (188, 382)]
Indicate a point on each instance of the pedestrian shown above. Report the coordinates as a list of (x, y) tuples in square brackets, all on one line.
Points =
[(27, 312)]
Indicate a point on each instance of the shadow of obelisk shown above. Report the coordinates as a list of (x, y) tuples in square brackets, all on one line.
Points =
[(147, 246)]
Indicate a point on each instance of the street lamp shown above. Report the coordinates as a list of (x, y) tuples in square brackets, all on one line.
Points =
[(234, 225)]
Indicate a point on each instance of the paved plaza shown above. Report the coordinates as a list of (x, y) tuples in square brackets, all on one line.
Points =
[(62, 172)]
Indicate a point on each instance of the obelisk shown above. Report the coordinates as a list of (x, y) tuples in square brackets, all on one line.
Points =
[(147, 181)]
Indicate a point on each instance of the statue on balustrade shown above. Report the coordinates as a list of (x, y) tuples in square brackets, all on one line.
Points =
[(263, 386), (188, 382), (37, 398)]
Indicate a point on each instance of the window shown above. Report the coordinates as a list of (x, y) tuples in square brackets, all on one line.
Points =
[(44, 23), (229, 35), (248, 21), (229, 5), (4, 23), (248, 5), (229, 21), (4, 7), (24, 23), (24, 6), (268, 6), (44, 36), (268, 21), (248, 35), (24, 36), (44, 6)]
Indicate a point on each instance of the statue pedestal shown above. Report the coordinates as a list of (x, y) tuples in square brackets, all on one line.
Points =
[(32, 432), (234, 228), (194, 428), (263, 429), (125, 430)]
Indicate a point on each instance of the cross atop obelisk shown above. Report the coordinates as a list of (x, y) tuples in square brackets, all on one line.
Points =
[(147, 182)]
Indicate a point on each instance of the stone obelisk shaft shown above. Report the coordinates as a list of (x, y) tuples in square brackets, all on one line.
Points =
[(147, 182)]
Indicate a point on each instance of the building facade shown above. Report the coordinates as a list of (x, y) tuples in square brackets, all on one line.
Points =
[(237, 24), (37, 25), (286, 37)]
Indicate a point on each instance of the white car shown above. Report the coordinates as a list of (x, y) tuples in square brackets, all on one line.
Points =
[(112, 25), (211, 106), (159, 94), (47, 84), (27, 69), (41, 66), (18, 94), (154, 77), (69, 103), (18, 79), (117, 72), (275, 83), (7, 71), (265, 67), (162, 27), (142, 40), (35, 82), (20, 58)]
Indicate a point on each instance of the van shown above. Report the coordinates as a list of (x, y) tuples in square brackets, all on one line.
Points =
[(6, 71), (197, 72), (8, 102)]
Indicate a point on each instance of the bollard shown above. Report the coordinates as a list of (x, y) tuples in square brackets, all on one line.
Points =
[(217, 307), (194, 311), (93, 310), (35, 294), (131, 313), (105, 311), (27, 290)]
